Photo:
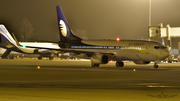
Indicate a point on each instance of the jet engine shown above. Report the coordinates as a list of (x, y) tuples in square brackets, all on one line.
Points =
[(141, 62), (99, 59)]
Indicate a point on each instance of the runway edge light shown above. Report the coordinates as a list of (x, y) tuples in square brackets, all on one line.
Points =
[(38, 67)]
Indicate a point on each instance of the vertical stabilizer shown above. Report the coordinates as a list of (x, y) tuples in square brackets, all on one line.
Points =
[(6, 36), (66, 35)]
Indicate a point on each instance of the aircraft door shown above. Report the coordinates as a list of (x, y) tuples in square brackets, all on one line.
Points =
[(147, 50)]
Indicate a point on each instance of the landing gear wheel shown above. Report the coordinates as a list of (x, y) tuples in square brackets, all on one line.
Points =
[(39, 58), (155, 65), (51, 58), (94, 65), (119, 64), (97, 65)]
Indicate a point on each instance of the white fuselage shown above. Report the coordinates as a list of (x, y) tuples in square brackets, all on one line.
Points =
[(136, 50)]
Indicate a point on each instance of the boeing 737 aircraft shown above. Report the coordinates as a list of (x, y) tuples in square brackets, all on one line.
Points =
[(102, 51), (99, 51), (10, 44)]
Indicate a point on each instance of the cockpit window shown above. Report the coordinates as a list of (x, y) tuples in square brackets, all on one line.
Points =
[(159, 47)]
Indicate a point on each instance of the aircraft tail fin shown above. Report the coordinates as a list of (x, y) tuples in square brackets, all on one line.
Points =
[(6, 41), (66, 34), (5, 37)]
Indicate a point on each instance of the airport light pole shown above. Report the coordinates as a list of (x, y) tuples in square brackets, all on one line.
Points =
[(149, 15), (149, 12)]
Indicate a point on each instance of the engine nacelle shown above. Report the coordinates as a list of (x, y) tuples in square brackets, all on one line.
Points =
[(99, 59), (141, 62)]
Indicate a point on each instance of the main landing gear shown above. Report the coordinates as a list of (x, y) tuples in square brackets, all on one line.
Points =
[(155, 65), (119, 64), (50, 58), (94, 65), (40, 58)]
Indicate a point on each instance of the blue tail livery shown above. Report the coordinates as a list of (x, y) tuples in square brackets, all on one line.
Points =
[(66, 34)]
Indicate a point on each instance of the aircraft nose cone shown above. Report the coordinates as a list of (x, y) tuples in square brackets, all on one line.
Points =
[(166, 53)]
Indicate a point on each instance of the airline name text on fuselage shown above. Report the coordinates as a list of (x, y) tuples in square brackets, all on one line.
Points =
[(136, 44)]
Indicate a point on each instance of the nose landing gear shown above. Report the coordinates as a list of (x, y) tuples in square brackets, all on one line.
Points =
[(155, 65)]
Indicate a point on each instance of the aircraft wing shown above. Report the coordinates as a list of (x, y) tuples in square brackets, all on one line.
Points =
[(54, 46), (40, 45)]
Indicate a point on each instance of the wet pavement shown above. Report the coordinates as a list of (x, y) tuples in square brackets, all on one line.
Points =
[(77, 81)]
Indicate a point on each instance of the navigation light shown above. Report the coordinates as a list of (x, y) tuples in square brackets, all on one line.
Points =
[(23, 46), (117, 39)]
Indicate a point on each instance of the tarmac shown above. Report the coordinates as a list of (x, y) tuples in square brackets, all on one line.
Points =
[(76, 80)]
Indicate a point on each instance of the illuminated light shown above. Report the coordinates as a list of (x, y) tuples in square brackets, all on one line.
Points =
[(111, 61), (117, 39), (24, 46), (38, 67), (134, 70)]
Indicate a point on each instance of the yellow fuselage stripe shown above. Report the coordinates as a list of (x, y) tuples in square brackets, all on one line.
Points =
[(143, 51)]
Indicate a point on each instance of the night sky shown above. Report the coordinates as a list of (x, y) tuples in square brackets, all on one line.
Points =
[(99, 19)]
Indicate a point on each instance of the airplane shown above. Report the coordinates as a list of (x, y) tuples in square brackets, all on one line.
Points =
[(102, 51), (11, 44), (98, 51)]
